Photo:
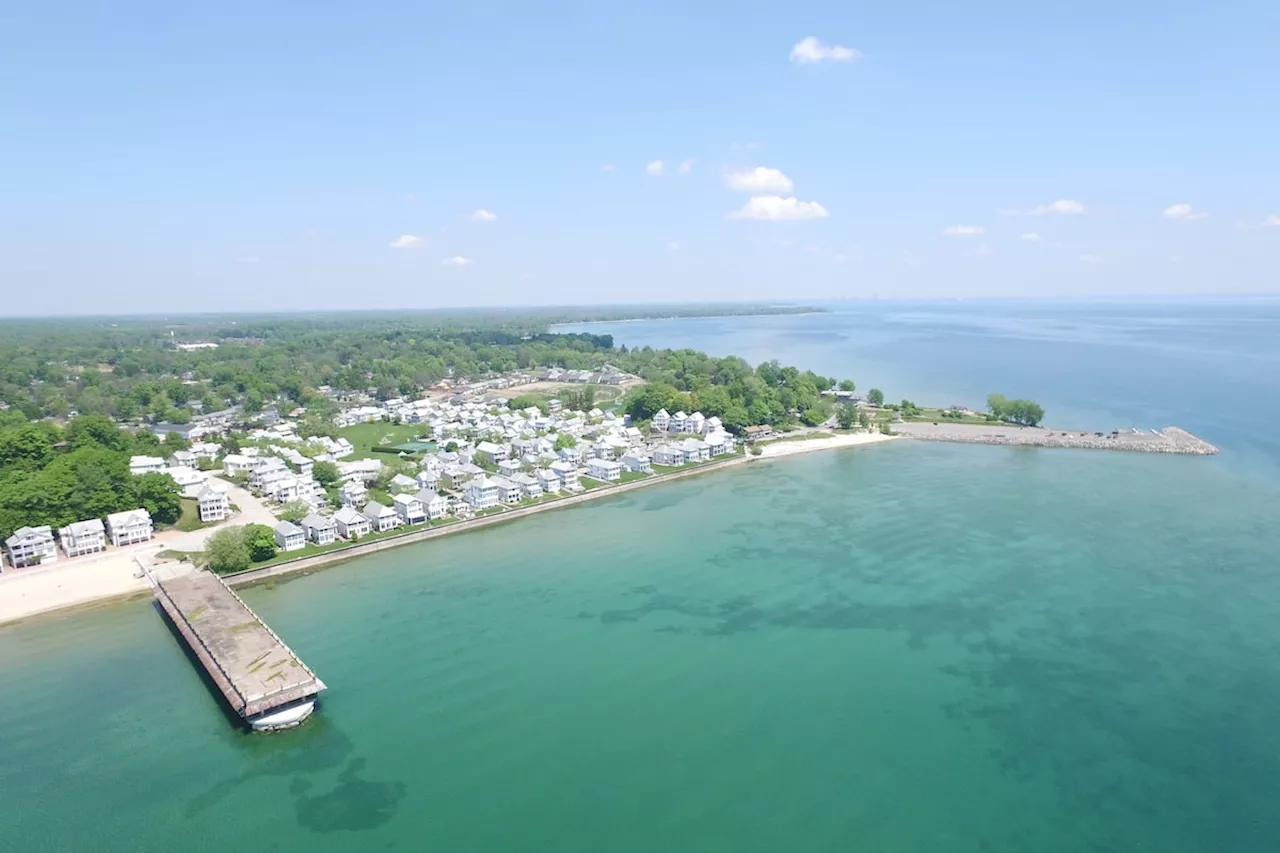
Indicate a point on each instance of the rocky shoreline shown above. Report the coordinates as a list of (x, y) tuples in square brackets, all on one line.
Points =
[(1167, 440)]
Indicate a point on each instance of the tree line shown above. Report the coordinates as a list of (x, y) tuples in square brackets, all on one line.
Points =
[(1025, 412)]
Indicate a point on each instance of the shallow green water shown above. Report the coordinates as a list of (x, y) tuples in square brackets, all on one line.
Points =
[(896, 648)]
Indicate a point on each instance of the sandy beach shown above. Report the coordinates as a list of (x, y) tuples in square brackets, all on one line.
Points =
[(114, 574)]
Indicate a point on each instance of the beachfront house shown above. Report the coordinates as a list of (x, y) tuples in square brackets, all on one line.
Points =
[(319, 529), (83, 537), (695, 450), (508, 491), (570, 454), (289, 536), (146, 465), (129, 527), (381, 518), (529, 485), (182, 458), (492, 453), (31, 546), (757, 433), (409, 508), (350, 523), (434, 504), (696, 423), (428, 480), (285, 490), (661, 420), (665, 454), (353, 494), (189, 480), (678, 422), (482, 493), (636, 462), (213, 504), (604, 469), (568, 474), (549, 481)]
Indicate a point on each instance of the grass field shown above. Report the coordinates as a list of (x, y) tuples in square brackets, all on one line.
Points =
[(365, 437), (935, 415), (190, 518)]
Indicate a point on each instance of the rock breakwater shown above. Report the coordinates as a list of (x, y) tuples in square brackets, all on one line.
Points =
[(1167, 440)]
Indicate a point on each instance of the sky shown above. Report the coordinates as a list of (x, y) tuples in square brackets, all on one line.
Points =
[(273, 156)]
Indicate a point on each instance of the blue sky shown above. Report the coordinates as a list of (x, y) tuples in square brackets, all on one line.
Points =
[(242, 156)]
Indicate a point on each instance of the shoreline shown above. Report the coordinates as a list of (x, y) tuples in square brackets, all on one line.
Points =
[(47, 595)]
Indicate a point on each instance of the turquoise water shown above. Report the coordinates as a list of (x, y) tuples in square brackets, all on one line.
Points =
[(895, 648)]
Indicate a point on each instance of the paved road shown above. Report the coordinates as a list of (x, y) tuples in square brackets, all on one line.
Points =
[(252, 511)]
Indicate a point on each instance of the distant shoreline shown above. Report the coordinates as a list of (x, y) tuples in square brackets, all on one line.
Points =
[(809, 312)]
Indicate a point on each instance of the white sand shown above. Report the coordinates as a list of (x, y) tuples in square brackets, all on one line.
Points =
[(790, 448)]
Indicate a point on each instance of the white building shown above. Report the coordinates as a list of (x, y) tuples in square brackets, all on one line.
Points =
[(129, 527), (604, 469), (637, 462), (146, 465), (409, 508), (381, 518), (695, 450), (83, 537), (667, 455), (31, 546), (567, 472), (661, 420), (189, 480), (289, 536), (508, 492), (549, 481), (214, 504), (319, 529), (234, 463), (433, 504), (482, 493), (353, 494), (350, 523)]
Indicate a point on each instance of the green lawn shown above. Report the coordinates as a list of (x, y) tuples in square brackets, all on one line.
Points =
[(588, 484), (800, 437), (189, 520), (365, 437), (935, 415), (665, 469), (632, 476)]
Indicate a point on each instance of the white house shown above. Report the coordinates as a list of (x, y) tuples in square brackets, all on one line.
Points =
[(83, 537), (428, 480), (129, 527), (570, 454), (234, 463), (319, 529), (494, 453), (381, 518), (31, 546), (636, 462), (509, 467), (529, 485), (189, 480), (409, 508), (662, 420), (665, 454), (401, 483), (289, 536), (549, 481), (146, 465), (213, 504), (695, 450), (696, 423), (718, 443), (678, 422), (482, 493), (434, 504), (567, 472), (351, 523), (604, 469), (182, 458), (508, 492), (354, 494), (286, 489)]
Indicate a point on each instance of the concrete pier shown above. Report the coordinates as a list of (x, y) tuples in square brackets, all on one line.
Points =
[(1167, 440), (260, 677)]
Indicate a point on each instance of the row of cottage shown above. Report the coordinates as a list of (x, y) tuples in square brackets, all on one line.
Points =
[(36, 546)]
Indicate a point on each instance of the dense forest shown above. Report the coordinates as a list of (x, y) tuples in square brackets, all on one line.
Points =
[(56, 475)]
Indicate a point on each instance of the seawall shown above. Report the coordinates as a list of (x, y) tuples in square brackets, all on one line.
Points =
[(1168, 440)]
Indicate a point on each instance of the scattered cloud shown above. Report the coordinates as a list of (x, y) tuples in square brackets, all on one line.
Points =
[(759, 179), (407, 241), (1090, 259), (1272, 221), (1063, 206), (483, 215), (1183, 212), (983, 251), (248, 259), (686, 166), (654, 168), (673, 246), (456, 261), (962, 230), (608, 167), (810, 50), (1030, 237), (775, 208)]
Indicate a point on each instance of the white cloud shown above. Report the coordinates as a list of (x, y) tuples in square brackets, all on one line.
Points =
[(686, 166), (809, 50), (1090, 259), (248, 259), (774, 208), (483, 215), (760, 179), (456, 261), (407, 241), (1182, 211), (1031, 237), (962, 230), (654, 168), (1064, 206), (1272, 221)]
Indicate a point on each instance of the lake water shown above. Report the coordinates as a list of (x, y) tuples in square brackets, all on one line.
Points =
[(902, 647)]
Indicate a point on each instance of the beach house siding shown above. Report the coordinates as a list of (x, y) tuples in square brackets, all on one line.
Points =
[(31, 546), (83, 537), (289, 536), (130, 527)]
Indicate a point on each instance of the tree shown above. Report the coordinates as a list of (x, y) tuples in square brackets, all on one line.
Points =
[(325, 473), (295, 511), (451, 447), (226, 551), (158, 494), (847, 385), (846, 416), (173, 442), (1025, 412), (261, 542), (96, 429), (564, 440), (875, 397)]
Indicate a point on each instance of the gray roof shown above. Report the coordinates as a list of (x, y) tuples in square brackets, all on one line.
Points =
[(287, 528), (347, 515), (317, 520), (84, 528)]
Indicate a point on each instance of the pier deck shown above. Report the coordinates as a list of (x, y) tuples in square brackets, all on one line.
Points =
[(253, 668)]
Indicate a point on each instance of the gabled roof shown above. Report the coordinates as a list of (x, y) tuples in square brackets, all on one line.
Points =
[(317, 520), (348, 514), (403, 498), (129, 516), (288, 528)]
